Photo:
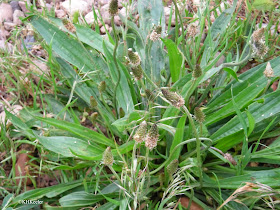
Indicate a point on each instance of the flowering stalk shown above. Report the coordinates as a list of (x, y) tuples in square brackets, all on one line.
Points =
[(200, 117), (268, 73), (183, 33), (198, 143), (116, 64), (108, 160)]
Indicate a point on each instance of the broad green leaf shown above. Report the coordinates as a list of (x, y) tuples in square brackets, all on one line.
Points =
[(240, 117), (64, 145), (150, 12), (123, 149), (251, 84), (267, 177), (124, 122), (79, 199), (8, 198), (231, 72), (92, 38), (178, 138), (123, 91), (251, 121), (175, 59), (49, 192), (63, 45), (242, 98), (216, 32), (231, 133), (264, 5), (82, 90), (79, 130), (20, 124), (246, 79), (107, 206)]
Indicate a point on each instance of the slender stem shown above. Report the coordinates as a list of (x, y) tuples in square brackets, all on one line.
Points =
[(115, 173), (142, 84), (147, 156), (190, 91), (201, 129), (267, 86), (116, 64), (198, 142), (105, 104), (182, 26), (149, 80), (224, 65)]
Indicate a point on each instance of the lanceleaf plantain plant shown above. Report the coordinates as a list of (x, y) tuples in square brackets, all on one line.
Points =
[(166, 121)]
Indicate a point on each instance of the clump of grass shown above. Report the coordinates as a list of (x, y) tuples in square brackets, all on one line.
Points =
[(144, 118)]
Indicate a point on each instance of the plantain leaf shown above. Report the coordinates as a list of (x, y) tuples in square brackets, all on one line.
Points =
[(123, 91), (64, 145), (66, 47), (50, 192), (231, 133), (267, 177), (251, 84), (264, 5), (79, 130), (251, 121), (79, 199), (178, 138), (175, 59)]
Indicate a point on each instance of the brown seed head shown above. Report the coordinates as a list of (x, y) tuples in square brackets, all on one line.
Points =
[(175, 99), (113, 7), (230, 158), (140, 134), (108, 158), (152, 137), (199, 115), (268, 72)]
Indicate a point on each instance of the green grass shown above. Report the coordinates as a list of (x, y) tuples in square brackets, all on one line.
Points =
[(68, 121)]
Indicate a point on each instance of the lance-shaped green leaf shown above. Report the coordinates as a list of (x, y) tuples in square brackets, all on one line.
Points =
[(63, 45), (175, 59), (79, 130), (231, 133)]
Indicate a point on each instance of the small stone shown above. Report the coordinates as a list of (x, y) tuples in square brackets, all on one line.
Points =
[(123, 11), (22, 5), (15, 5), (89, 18), (104, 11), (6, 13), (103, 31), (6, 46), (167, 14), (60, 13), (16, 16), (103, 2), (51, 1), (49, 7), (117, 21), (9, 26), (29, 41), (4, 34), (221, 60), (90, 2), (72, 6), (38, 67)]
